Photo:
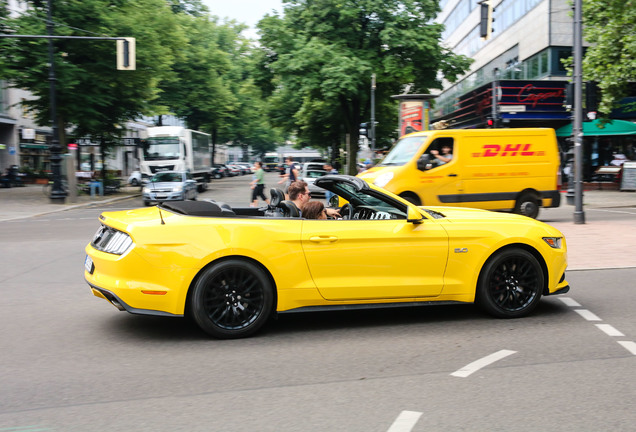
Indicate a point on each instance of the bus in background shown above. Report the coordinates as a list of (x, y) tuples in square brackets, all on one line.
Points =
[(271, 162), (175, 148)]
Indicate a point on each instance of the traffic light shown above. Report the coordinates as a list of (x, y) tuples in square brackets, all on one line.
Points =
[(364, 130), (126, 54), (591, 99), (486, 19)]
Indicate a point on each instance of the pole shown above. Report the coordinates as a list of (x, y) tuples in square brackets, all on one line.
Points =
[(58, 195), (577, 126), (373, 117), (495, 72)]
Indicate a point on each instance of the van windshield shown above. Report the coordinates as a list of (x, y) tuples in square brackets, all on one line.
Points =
[(404, 151)]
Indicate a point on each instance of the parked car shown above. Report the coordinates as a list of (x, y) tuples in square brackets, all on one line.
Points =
[(233, 170), (219, 171), (246, 167), (310, 177), (170, 186), (229, 268), (137, 179)]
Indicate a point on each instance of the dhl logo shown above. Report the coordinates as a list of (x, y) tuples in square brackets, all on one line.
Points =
[(492, 150)]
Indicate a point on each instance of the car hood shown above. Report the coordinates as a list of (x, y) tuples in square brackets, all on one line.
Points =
[(163, 185), (480, 216)]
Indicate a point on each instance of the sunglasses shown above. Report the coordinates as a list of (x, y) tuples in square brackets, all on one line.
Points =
[(308, 194)]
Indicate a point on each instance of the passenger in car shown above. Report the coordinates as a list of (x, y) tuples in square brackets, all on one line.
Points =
[(314, 210), (299, 195)]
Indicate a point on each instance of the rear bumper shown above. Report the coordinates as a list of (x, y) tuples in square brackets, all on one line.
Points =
[(122, 306)]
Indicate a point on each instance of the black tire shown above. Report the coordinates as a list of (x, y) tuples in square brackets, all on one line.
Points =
[(232, 299), (511, 284), (218, 175), (134, 182), (412, 198), (528, 205)]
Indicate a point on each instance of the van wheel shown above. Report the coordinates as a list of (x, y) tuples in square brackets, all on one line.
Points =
[(411, 197), (527, 205)]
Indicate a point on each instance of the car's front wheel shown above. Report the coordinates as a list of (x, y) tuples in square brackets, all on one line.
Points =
[(232, 299), (510, 284)]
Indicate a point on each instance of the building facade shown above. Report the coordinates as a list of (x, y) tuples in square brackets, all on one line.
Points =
[(517, 78)]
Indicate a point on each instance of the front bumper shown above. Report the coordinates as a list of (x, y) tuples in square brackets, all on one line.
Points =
[(160, 197)]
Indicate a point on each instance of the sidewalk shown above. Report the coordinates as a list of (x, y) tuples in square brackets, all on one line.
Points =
[(593, 245), (28, 201)]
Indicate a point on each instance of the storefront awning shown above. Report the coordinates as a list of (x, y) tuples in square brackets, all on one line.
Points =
[(594, 128)]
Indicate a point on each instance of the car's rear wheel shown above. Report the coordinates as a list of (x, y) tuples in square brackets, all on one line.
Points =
[(232, 299), (510, 284)]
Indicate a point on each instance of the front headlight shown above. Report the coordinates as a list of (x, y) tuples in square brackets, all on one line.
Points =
[(177, 188), (553, 242), (383, 179), (146, 189)]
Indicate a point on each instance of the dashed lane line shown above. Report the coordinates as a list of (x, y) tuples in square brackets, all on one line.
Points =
[(605, 328), (609, 330), (405, 421), (587, 315), (483, 362)]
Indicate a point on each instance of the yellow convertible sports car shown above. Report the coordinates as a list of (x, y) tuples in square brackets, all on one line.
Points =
[(233, 268)]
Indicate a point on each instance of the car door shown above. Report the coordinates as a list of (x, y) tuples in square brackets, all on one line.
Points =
[(375, 259), (442, 182)]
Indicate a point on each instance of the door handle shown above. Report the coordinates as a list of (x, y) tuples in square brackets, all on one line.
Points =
[(323, 239), (452, 175)]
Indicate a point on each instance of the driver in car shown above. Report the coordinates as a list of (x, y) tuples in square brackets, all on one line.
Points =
[(299, 195)]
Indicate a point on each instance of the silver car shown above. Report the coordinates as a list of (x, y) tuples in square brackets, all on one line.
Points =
[(310, 176), (170, 186)]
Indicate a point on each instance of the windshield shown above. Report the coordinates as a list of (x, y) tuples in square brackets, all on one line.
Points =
[(403, 151), (160, 148), (369, 198), (167, 177)]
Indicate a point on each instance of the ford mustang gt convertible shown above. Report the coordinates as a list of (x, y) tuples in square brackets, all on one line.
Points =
[(231, 269)]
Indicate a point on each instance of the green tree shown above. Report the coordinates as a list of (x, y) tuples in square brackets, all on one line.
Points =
[(609, 25), (92, 96), (320, 56)]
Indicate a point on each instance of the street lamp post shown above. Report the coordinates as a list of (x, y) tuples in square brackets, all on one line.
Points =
[(495, 73), (577, 125), (373, 117), (58, 195)]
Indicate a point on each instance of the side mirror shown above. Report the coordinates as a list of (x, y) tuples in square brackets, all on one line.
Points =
[(424, 162), (414, 216)]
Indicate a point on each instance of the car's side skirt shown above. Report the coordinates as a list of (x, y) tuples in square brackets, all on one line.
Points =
[(342, 307)]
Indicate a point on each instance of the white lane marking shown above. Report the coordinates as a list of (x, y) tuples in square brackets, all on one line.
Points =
[(587, 315), (609, 330), (569, 301), (478, 364), (629, 346), (405, 421)]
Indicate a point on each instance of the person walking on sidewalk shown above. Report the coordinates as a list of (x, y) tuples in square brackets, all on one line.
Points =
[(258, 184)]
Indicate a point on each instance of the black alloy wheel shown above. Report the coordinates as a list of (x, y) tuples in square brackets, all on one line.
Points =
[(232, 299), (511, 284)]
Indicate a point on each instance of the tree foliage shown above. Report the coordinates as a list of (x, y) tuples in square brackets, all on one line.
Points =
[(320, 55), (609, 25)]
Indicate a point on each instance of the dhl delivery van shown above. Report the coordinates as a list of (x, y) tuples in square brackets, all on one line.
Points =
[(493, 169)]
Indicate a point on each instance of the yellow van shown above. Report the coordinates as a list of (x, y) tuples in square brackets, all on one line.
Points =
[(493, 169)]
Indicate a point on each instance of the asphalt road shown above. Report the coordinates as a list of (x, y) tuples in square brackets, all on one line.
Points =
[(72, 362)]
